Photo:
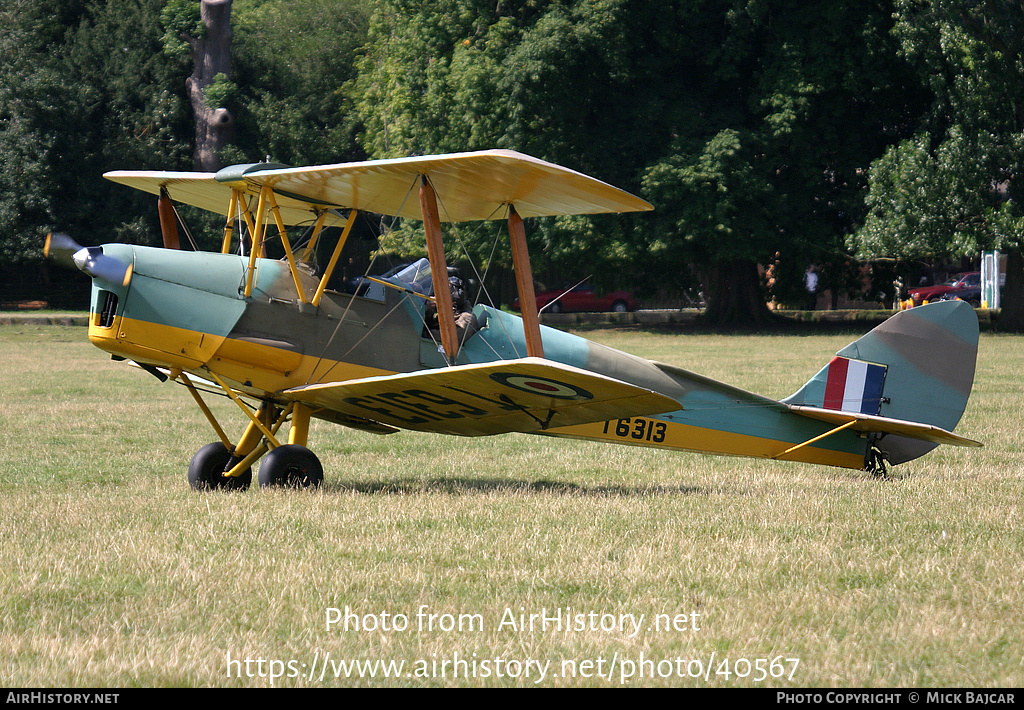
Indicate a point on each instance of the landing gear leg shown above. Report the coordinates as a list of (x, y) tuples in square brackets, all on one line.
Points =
[(290, 464), (208, 468), (875, 461), (299, 433)]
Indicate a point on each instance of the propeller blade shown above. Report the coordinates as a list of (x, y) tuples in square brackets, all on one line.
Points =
[(67, 252), (61, 248), (98, 265)]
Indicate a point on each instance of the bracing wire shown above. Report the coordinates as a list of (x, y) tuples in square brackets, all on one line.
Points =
[(348, 306), (465, 250)]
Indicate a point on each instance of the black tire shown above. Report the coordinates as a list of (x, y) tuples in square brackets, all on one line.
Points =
[(292, 466), (555, 307), (206, 470), (620, 307)]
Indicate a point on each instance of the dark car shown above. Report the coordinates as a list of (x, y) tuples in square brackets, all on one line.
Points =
[(933, 293), (583, 299), (972, 295)]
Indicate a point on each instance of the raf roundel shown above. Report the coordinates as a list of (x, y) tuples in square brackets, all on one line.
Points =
[(541, 385)]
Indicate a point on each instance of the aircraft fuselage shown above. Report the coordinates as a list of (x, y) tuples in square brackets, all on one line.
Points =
[(186, 311)]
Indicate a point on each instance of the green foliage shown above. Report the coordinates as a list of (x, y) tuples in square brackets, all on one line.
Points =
[(545, 78), (926, 202), (221, 92), (182, 22), (64, 119), (293, 61), (84, 88), (711, 193), (770, 153), (953, 190), (95, 85), (125, 109), (29, 92), (950, 191), (748, 125)]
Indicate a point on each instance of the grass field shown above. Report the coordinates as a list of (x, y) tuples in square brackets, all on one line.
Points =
[(670, 569)]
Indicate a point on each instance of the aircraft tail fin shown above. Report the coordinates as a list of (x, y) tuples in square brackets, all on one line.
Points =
[(917, 366)]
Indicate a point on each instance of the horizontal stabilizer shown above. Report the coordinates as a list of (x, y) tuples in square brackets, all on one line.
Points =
[(524, 395), (871, 424)]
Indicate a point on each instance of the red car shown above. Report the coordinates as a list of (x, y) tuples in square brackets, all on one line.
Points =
[(933, 293), (583, 299)]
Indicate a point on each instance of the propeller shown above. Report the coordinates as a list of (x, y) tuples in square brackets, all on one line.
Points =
[(67, 252), (61, 248)]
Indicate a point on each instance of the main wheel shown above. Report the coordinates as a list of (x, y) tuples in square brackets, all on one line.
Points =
[(620, 307), (206, 470), (291, 465), (555, 307)]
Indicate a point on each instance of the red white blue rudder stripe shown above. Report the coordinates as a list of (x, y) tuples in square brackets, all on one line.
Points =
[(854, 386)]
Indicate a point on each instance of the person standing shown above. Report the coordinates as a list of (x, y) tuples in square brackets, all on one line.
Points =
[(811, 286)]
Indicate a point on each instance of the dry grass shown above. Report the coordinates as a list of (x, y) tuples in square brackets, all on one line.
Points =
[(114, 573)]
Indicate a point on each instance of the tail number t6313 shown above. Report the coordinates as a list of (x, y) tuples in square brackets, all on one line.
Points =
[(637, 428)]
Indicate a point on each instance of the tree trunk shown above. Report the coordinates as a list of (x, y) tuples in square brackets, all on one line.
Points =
[(735, 297), (211, 55), (1011, 314)]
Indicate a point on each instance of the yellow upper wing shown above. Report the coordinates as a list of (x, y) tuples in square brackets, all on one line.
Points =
[(526, 395), (203, 190), (470, 186)]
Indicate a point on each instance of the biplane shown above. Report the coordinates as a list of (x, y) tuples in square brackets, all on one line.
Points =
[(270, 334)]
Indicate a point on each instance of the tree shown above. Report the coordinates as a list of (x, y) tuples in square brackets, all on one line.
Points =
[(88, 86), (292, 61), (800, 98), (82, 88), (469, 75), (954, 189), (208, 39), (29, 100), (748, 124)]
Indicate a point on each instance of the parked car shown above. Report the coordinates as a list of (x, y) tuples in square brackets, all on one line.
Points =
[(972, 295), (932, 293), (583, 299)]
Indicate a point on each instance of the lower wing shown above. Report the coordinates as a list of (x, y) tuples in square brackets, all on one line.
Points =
[(524, 395)]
